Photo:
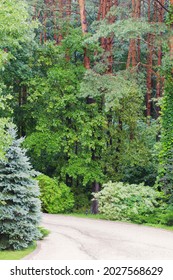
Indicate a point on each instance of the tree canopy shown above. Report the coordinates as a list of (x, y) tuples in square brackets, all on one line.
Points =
[(83, 81)]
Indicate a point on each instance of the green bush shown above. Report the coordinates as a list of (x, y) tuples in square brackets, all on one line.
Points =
[(82, 203), (44, 232), (55, 197), (125, 202), (166, 218)]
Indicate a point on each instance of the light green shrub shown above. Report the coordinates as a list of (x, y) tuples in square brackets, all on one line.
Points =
[(125, 202), (55, 197)]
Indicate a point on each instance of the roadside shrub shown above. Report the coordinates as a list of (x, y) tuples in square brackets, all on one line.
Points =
[(44, 232), (125, 202), (20, 210), (166, 218), (55, 197), (82, 203)]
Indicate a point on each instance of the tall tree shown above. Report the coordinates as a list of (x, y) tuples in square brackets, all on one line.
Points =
[(165, 156), (19, 203), (134, 46), (160, 80), (84, 30), (96, 185), (149, 65)]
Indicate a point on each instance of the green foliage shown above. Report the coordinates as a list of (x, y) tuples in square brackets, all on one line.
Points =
[(55, 197), (113, 88), (44, 232), (65, 145), (139, 159), (81, 126), (17, 254), (82, 199), (166, 218), (122, 29), (162, 215), (165, 170), (14, 25), (124, 202), (19, 203), (5, 138), (15, 28), (169, 18)]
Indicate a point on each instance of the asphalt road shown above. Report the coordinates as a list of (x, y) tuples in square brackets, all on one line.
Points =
[(75, 238)]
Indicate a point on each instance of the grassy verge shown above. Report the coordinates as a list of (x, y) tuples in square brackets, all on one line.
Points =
[(160, 226), (91, 216), (17, 255), (101, 217)]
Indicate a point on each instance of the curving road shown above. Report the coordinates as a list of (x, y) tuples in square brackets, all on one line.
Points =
[(75, 238)]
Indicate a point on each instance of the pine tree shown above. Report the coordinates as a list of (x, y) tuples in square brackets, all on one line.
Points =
[(19, 203)]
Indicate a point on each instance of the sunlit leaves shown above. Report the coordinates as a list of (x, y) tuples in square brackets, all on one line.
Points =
[(118, 201), (112, 88)]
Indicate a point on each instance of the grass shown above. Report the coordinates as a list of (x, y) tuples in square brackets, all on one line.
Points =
[(17, 255), (101, 217), (91, 216), (160, 226)]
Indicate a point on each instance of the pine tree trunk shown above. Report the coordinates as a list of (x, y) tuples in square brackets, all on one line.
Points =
[(134, 46), (68, 15), (107, 43), (138, 10), (149, 74), (45, 22), (84, 30), (68, 9), (55, 21), (149, 66), (60, 5)]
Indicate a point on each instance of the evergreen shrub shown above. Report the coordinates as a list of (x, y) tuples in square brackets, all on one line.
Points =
[(19, 203), (55, 197), (125, 202)]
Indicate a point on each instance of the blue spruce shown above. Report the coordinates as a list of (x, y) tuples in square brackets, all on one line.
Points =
[(19, 204)]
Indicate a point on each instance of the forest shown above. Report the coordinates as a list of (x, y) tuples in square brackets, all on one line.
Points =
[(86, 92)]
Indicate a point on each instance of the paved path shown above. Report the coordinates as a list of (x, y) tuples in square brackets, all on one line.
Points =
[(75, 238)]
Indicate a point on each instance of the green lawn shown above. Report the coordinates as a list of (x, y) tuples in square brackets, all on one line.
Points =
[(17, 255), (83, 215), (101, 217), (160, 226)]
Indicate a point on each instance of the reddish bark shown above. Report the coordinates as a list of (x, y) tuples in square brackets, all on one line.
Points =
[(68, 15), (68, 9), (60, 8), (83, 16), (159, 84), (134, 47), (138, 11), (84, 30), (54, 8), (107, 43), (149, 68), (149, 74)]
